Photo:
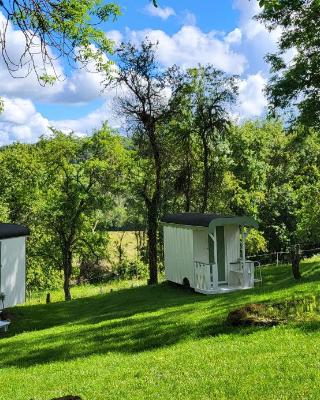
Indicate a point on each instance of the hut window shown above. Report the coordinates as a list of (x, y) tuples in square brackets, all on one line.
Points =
[(212, 245)]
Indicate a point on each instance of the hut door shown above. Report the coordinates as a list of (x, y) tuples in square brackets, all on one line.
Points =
[(221, 254)]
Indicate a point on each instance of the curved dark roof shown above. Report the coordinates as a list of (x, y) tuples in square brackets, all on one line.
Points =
[(199, 219), (194, 219), (13, 230)]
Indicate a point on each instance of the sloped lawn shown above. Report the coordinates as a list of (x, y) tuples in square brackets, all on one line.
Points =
[(162, 342)]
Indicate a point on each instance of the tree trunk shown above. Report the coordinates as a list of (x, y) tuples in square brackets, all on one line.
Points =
[(187, 203), (295, 262), (152, 243), (188, 188), (205, 175), (153, 210), (67, 269)]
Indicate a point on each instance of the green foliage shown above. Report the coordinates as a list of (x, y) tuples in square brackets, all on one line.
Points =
[(294, 85), (132, 270), (41, 276), (256, 242), (252, 148), (81, 177), (200, 121)]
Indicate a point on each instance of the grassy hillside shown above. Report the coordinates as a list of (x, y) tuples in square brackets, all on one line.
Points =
[(161, 342)]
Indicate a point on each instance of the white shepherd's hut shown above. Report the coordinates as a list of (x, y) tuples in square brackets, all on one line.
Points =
[(13, 263), (207, 251)]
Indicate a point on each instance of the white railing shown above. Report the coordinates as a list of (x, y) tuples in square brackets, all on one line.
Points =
[(205, 277), (241, 275)]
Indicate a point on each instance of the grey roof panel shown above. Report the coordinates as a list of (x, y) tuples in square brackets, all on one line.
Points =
[(206, 220), (13, 230)]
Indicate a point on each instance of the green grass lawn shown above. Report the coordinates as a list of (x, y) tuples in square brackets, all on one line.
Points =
[(162, 342)]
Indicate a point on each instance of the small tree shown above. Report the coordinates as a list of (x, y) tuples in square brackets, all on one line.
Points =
[(82, 175)]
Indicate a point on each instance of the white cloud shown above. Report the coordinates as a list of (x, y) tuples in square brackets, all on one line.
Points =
[(162, 12), (82, 85), (92, 121), (21, 122), (116, 36), (24, 84), (234, 36), (252, 100), (190, 46), (257, 39)]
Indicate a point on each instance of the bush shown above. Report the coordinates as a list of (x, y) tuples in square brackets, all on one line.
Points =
[(42, 277), (94, 272), (132, 269)]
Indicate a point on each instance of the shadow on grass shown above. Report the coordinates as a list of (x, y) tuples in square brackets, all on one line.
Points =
[(130, 321)]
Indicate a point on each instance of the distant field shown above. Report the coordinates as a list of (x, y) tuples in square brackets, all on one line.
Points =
[(129, 245), (163, 342)]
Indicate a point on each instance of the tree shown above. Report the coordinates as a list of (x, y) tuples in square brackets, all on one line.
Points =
[(81, 177), (288, 216), (183, 162), (253, 157), (144, 104), (205, 96), (265, 178), (294, 85)]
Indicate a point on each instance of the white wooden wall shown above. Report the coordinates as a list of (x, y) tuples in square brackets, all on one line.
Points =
[(13, 270), (201, 245), (178, 254)]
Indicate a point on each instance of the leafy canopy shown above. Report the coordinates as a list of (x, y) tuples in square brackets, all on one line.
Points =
[(295, 85)]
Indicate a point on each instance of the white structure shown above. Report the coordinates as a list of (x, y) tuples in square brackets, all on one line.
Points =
[(12, 263), (207, 251)]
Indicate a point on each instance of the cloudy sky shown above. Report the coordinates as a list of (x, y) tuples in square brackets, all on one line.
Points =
[(189, 32)]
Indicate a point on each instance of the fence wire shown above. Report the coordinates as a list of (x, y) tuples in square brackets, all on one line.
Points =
[(282, 257)]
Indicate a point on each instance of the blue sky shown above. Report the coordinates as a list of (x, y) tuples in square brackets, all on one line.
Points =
[(189, 32)]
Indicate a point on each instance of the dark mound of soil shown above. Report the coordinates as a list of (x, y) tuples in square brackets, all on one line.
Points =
[(68, 398), (252, 315), (5, 315)]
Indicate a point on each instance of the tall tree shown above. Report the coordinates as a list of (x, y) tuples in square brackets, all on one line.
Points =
[(143, 102), (294, 86), (206, 95)]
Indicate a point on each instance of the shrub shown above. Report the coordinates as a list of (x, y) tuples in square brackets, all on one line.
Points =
[(132, 269)]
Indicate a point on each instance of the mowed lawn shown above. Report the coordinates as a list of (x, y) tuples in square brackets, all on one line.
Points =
[(162, 342)]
